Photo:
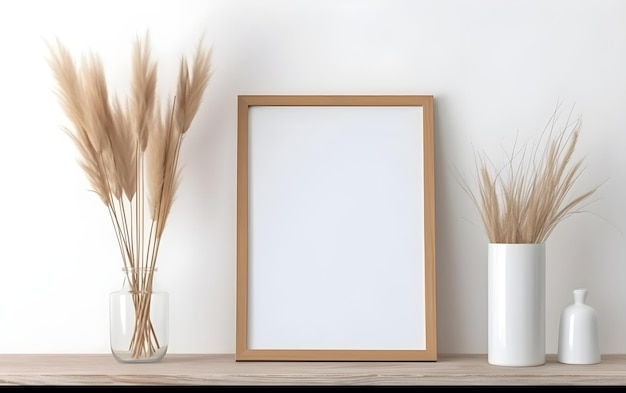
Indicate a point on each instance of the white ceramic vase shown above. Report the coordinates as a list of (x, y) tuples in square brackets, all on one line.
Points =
[(516, 304), (578, 332)]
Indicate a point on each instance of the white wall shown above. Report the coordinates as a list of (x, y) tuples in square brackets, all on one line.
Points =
[(494, 67)]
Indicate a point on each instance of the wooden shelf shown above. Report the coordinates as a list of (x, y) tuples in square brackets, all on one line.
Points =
[(195, 369)]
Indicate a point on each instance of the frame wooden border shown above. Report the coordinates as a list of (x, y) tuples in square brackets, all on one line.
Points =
[(243, 352)]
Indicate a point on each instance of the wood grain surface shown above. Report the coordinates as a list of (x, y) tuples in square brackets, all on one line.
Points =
[(222, 369)]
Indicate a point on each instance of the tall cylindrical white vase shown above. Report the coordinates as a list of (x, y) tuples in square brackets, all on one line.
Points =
[(516, 304)]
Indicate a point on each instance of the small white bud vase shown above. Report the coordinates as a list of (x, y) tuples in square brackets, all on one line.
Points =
[(516, 304), (578, 332)]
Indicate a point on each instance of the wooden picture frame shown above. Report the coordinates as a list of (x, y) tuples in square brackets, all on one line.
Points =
[(335, 228)]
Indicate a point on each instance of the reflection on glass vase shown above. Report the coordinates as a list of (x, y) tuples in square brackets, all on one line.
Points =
[(139, 319)]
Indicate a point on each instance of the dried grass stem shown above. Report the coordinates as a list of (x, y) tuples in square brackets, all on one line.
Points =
[(129, 153), (524, 201)]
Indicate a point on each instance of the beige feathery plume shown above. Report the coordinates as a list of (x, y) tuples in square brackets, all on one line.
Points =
[(143, 89), (162, 173), (155, 156), (191, 85), (70, 92), (162, 162), (123, 143), (124, 147), (100, 121)]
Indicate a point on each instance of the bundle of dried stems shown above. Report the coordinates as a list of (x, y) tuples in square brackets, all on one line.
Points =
[(525, 200), (129, 151)]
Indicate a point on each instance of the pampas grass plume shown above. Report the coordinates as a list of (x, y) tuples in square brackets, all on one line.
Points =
[(129, 151)]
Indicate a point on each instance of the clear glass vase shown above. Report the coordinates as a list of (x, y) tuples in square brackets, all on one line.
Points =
[(139, 319)]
